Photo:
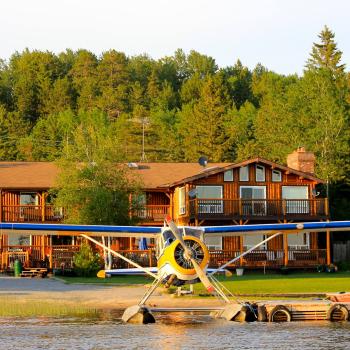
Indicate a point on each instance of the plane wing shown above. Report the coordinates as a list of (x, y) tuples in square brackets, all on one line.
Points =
[(236, 230), (70, 230), (152, 232)]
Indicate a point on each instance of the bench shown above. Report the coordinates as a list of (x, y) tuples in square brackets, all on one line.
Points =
[(34, 272)]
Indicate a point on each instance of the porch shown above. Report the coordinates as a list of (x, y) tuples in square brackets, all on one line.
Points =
[(31, 213), (273, 259), (60, 257), (258, 209)]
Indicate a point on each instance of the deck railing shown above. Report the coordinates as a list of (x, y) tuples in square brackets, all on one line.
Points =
[(152, 213), (61, 257), (209, 208), (269, 258), (31, 213), (212, 208)]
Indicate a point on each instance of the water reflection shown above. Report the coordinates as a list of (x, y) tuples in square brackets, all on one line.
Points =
[(178, 331)]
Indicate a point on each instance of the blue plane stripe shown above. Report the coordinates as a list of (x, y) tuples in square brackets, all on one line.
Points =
[(78, 228), (331, 225)]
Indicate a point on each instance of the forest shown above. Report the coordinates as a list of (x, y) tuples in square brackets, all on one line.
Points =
[(184, 105)]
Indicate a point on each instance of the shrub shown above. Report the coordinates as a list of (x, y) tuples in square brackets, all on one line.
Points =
[(86, 262)]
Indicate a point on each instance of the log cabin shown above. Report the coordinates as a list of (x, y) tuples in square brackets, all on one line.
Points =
[(253, 191)]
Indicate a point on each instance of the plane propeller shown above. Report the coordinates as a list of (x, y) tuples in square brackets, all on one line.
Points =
[(189, 256)]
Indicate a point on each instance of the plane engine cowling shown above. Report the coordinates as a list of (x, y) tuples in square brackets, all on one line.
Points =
[(181, 263)]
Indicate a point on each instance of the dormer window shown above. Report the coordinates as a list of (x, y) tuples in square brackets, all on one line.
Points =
[(244, 173), (228, 175), (276, 176), (260, 173)]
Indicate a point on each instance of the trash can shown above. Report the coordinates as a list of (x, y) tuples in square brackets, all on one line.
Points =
[(239, 271), (17, 267)]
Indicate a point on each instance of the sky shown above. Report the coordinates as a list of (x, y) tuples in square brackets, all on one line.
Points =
[(278, 34)]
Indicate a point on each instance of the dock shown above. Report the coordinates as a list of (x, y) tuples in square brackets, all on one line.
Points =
[(336, 308)]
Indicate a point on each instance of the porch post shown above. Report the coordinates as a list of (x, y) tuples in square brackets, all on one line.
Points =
[(328, 245), (196, 211), (171, 208), (0, 205), (241, 244), (285, 248), (326, 204), (43, 200)]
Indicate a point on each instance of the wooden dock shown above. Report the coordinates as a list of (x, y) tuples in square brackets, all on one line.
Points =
[(278, 310), (315, 310)]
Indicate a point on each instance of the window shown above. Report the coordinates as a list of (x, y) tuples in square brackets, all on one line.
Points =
[(29, 206), (250, 240), (29, 198), (299, 241), (139, 204), (182, 200), (244, 173), (209, 199), (228, 175), (260, 173), (276, 176), (253, 200), (301, 203), (213, 243)]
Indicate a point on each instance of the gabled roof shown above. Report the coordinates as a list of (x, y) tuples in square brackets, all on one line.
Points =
[(229, 166), (163, 175), (42, 175)]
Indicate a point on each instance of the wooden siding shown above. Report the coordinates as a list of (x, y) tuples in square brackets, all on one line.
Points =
[(231, 189)]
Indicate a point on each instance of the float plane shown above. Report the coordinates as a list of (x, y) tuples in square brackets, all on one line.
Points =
[(182, 255)]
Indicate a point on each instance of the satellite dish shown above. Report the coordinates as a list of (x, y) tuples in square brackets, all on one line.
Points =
[(192, 193), (203, 161)]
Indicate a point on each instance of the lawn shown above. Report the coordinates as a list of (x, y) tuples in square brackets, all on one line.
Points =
[(250, 283), (292, 283)]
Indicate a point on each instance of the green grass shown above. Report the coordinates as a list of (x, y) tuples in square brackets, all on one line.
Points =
[(249, 283), (17, 307), (284, 284), (114, 280)]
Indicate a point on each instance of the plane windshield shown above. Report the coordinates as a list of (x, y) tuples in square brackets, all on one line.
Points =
[(168, 237)]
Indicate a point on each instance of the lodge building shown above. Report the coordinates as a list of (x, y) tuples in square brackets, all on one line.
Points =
[(253, 191)]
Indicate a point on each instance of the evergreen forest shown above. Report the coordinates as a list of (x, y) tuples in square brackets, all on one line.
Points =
[(183, 106)]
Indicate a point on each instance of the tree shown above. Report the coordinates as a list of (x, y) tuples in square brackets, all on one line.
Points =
[(239, 127), (91, 186), (113, 80), (49, 136), (325, 55), (202, 122), (239, 82), (12, 129), (32, 75), (86, 262), (84, 79)]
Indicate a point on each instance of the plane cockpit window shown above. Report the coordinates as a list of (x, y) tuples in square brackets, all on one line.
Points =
[(168, 237)]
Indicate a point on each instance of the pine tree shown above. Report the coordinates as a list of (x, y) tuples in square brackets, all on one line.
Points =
[(325, 55)]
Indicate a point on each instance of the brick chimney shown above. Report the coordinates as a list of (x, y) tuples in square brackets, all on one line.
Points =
[(301, 160)]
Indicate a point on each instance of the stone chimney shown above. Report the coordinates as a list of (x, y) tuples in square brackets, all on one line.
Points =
[(301, 160)]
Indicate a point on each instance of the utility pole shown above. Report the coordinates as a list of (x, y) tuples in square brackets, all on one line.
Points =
[(144, 121)]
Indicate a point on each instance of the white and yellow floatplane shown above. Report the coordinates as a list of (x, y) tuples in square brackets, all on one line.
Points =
[(182, 257)]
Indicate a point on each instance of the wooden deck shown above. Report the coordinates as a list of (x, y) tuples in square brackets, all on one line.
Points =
[(258, 209), (61, 257)]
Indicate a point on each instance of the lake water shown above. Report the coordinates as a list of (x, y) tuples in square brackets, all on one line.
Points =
[(178, 331)]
